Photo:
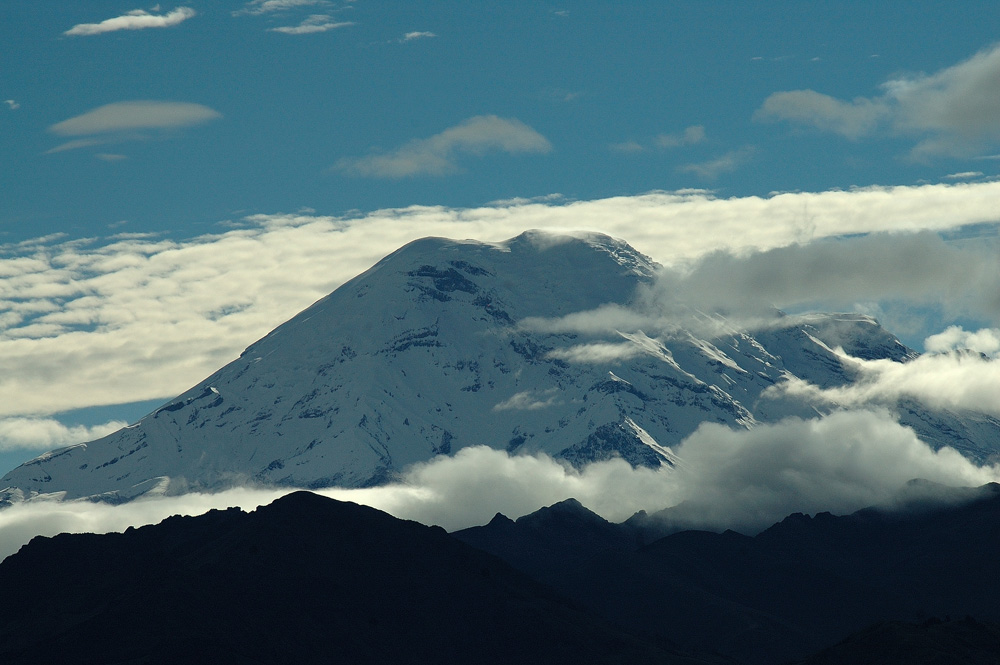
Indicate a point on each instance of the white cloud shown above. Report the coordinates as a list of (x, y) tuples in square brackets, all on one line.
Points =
[(437, 155), (90, 322), (955, 381), (839, 463), (312, 24), (46, 434), (11, 104), (956, 338), (136, 19), (955, 111), (598, 352), (725, 479), (410, 36), (964, 175), (529, 400)]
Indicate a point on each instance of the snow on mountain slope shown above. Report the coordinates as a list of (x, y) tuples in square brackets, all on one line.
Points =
[(425, 353)]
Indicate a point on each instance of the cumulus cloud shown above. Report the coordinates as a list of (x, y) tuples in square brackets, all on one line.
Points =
[(136, 317), (46, 433), (985, 341), (839, 463), (852, 119), (137, 19), (438, 154), (954, 112), (744, 479), (311, 25)]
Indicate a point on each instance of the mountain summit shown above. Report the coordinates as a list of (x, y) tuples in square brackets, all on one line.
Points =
[(446, 344)]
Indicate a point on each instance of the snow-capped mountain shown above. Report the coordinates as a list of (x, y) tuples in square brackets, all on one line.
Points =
[(446, 344)]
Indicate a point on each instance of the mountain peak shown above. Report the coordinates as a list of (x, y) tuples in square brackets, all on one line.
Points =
[(446, 344)]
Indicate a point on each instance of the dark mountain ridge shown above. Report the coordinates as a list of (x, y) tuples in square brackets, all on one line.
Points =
[(792, 589), (304, 580)]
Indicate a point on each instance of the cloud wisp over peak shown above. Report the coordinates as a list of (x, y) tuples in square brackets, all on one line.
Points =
[(439, 154), (953, 112), (137, 19)]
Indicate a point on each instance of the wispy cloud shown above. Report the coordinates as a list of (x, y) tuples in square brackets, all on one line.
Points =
[(964, 175), (410, 36), (46, 433), (311, 25), (713, 168), (954, 112), (121, 121), (11, 104), (137, 19), (258, 7), (438, 154), (690, 136)]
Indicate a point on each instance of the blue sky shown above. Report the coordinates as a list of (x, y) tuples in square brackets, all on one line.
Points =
[(180, 178)]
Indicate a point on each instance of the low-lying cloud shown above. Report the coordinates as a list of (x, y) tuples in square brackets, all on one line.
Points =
[(743, 479), (956, 381)]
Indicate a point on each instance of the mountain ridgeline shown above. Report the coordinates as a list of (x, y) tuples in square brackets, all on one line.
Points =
[(447, 344)]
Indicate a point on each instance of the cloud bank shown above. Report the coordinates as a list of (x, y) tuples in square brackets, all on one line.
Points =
[(725, 479), (953, 112), (97, 322), (137, 19), (439, 154)]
